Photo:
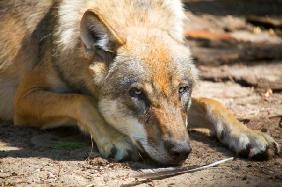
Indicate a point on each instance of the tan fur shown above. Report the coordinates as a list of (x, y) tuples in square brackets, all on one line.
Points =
[(113, 68)]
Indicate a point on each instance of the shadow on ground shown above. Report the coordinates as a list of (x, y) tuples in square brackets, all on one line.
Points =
[(68, 143)]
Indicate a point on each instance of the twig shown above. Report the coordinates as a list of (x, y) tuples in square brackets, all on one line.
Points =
[(161, 173), (91, 151), (148, 175)]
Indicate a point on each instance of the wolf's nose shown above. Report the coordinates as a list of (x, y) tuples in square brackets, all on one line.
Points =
[(179, 151)]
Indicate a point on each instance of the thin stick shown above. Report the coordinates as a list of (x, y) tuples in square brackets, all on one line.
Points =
[(91, 151), (161, 173)]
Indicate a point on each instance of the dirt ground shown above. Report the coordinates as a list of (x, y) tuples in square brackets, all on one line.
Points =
[(237, 46)]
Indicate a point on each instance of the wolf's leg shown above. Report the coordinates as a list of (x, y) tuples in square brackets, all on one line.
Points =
[(208, 113), (43, 109)]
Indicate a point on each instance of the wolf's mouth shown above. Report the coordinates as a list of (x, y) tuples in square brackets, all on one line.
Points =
[(140, 147)]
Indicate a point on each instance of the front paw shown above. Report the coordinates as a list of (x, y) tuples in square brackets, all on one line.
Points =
[(252, 144), (118, 147)]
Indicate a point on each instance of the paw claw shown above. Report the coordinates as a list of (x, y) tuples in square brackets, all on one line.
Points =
[(246, 152), (277, 148), (264, 155), (255, 145)]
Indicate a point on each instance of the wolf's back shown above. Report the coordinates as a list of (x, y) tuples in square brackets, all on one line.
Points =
[(18, 20)]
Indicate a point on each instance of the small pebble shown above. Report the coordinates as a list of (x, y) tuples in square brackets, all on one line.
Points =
[(50, 175)]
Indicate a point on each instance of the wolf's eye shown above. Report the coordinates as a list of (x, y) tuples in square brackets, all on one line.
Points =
[(183, 89), (135, 92), (139, 100)]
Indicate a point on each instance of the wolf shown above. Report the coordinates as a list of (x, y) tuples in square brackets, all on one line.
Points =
[(119, 70)]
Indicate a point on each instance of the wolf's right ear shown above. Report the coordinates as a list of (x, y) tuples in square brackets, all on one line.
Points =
[(95, 32)]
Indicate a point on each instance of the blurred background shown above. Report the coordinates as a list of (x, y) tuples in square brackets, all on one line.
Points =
[(249, 31), (238, 43)]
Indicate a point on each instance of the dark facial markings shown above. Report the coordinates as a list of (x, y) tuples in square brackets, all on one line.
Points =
[(140, 99), (183, 90)]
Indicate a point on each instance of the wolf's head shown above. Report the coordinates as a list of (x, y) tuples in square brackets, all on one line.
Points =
[(145, 76)]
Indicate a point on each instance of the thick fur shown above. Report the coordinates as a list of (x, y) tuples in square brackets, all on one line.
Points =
[(118, 70)]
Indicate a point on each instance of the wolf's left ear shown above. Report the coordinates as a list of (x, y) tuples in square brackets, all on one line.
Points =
[(95, 33)]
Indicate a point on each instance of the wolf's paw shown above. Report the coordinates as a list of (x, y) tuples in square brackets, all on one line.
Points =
[(252, 144), (119, 148)]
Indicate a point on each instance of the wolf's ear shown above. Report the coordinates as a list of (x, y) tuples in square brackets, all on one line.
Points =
[(95, 32)]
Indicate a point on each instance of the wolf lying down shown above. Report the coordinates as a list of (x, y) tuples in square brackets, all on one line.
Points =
[(119, 70)]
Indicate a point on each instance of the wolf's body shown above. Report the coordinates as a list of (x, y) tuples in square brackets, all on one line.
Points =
[(117, 69)]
